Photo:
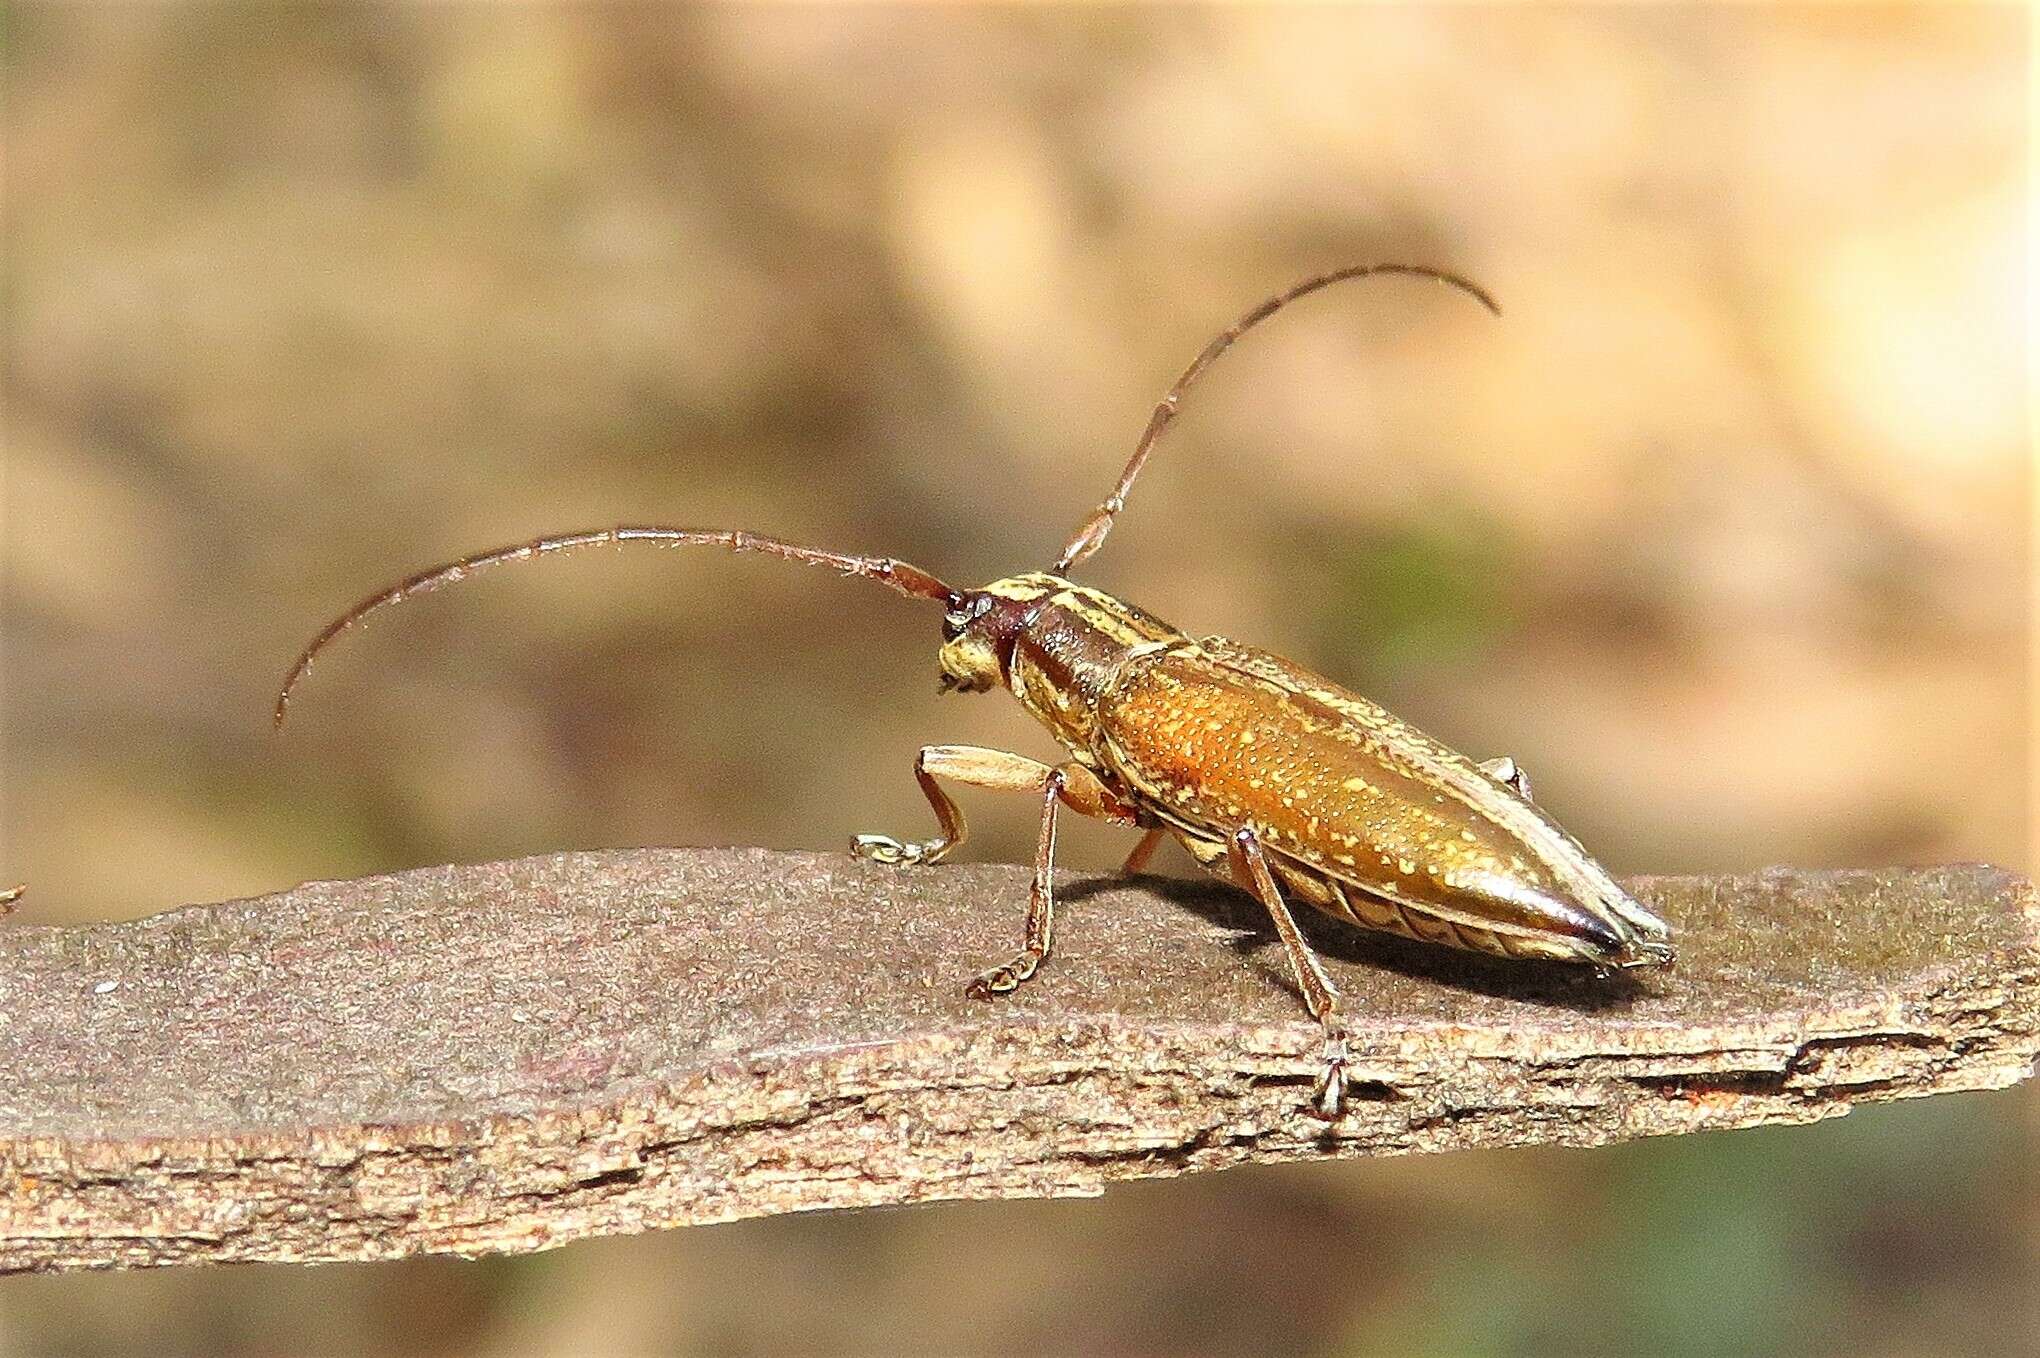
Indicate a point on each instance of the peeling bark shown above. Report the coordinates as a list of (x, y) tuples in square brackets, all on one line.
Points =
[(511, 1056)]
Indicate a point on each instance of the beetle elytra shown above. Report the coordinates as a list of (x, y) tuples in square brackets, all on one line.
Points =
[(1275, 779)]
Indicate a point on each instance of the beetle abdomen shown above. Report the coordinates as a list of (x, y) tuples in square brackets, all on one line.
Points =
[(1349, 903), (1343, 900)]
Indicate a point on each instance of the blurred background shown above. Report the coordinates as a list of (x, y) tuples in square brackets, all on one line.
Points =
[(1722, 532)]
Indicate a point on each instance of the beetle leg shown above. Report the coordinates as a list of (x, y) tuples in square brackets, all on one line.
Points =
[(971, 765), (1081, 790), (1070, 785), (1040, 905), (1137, 861), (1320, 996), (1508, 773)]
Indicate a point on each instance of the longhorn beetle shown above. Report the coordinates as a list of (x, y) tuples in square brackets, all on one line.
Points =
[(1275, 779)]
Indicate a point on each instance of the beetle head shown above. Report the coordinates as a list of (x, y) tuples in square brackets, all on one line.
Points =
[(979, 631)]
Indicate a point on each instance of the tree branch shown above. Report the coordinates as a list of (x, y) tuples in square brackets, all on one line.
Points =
[(515, 1055)]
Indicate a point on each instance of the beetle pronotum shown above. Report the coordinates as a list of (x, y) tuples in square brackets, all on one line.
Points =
[(1275, 779)]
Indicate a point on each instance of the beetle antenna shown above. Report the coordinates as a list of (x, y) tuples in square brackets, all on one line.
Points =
[(1090, 535), (903, 576)]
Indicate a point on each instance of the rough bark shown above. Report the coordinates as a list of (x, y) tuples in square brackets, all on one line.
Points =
[(512, 1056)]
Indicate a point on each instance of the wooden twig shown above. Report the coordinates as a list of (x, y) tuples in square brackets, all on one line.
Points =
[(516, 1055)]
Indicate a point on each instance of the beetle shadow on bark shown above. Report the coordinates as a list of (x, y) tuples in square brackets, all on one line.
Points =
[(1561, 985)]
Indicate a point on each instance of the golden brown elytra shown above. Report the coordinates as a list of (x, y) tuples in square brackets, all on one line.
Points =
[(1275, 779)]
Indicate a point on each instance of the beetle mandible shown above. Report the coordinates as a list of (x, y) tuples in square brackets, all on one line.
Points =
[(1275, 779)]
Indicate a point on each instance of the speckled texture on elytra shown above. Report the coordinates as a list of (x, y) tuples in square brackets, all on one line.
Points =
[(1341, 791), (506, 1056)]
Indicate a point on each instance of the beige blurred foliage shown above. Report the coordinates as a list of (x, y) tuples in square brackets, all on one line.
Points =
[(1722, 530)]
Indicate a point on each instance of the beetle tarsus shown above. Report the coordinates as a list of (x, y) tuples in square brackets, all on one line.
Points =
[(1004, 980), (1328, 1100), (886, 849)]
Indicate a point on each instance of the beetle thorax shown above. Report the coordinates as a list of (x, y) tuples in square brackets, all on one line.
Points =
[(1057, 645)]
